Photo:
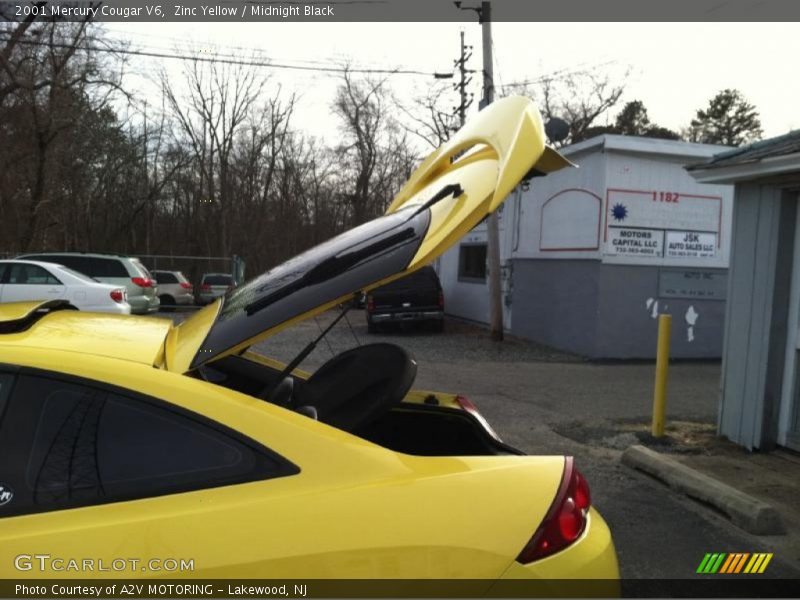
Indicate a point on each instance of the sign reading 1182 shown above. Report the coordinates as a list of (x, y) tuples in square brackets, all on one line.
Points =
[(671, 197)]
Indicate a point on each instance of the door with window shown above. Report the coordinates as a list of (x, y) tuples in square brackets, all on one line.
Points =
[(105, 474), (23, 282)]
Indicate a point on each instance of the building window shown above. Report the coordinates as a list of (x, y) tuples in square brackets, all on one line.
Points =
[(472, 263)]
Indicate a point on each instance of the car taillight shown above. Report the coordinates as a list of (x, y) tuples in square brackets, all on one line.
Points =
[(117, 295), (566, 519), (142, 282), (441, 299), (370, 304), (186, 285), (205, 287)]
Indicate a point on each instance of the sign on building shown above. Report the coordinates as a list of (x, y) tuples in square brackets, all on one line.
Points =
[(690, 244), (635, 242), (662, 224)]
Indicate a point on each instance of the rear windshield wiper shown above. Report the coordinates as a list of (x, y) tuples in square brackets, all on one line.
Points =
[(453, 189)]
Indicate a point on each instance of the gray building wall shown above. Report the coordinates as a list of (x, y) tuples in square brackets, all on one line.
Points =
[(755, 325), (555, 303), (602, 311)]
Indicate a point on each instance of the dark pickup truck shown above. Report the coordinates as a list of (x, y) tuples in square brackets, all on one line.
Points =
[(417, 297)]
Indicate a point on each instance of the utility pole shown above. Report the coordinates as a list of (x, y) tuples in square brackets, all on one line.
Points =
[(464, 81), (492, 225)]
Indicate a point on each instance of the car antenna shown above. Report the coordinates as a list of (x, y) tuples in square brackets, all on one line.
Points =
[(295, 362)]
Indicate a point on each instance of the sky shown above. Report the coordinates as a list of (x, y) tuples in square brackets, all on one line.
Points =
[(674, 68)]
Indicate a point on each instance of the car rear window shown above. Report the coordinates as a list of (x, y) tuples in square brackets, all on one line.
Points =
[(165, 277), (137, 264), (424, 278), (218, 279)]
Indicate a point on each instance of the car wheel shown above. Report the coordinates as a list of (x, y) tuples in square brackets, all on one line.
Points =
[(167, 303), (438, 326), (372, 327)]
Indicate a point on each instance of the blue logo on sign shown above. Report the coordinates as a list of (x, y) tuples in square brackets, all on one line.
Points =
[(619, 212)]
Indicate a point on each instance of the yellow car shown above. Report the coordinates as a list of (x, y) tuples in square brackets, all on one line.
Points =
[(132, 447)]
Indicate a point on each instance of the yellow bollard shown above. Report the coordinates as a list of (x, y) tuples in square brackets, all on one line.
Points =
[(662, 370)]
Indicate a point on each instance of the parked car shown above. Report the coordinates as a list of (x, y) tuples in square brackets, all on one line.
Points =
[(128, 435), (174, 289), (26, 280), (213, 286), (418, 298), (115, 269)]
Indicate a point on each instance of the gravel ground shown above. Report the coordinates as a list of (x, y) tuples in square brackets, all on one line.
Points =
[(463, 342)]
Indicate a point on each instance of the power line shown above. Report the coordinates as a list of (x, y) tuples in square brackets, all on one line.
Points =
[(188, 44), (231, 61), (562, 72)]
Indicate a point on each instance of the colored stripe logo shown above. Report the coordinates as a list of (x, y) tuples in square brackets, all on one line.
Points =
[(734, 563)]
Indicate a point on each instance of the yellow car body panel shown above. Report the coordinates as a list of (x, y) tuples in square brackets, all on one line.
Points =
[(16, 311), (357, 513), (136, 339), (512, 130), (186, 340)]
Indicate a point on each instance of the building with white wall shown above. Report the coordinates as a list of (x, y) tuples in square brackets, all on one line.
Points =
[(592, 255)]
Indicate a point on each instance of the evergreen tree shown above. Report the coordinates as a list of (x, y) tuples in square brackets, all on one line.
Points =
[(729, 119)]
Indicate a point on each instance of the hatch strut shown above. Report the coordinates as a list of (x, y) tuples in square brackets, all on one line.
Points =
[(295, 362)]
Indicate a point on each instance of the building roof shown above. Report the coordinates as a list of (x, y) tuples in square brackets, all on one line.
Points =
[(774, 156), (644, 145), (778, 146)]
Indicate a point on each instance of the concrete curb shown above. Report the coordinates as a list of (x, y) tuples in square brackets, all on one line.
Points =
[(751, 514)]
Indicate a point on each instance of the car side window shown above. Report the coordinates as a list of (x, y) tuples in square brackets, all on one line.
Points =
[(108, 267), (25, 274), (70, 443)]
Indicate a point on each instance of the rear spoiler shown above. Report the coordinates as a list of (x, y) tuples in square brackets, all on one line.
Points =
[(512, 130), (19, 316)]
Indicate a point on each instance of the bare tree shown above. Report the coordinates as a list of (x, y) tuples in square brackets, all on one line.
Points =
[(50, 79), (579, 97), (374, 153), (428, 118), (219, 101)]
